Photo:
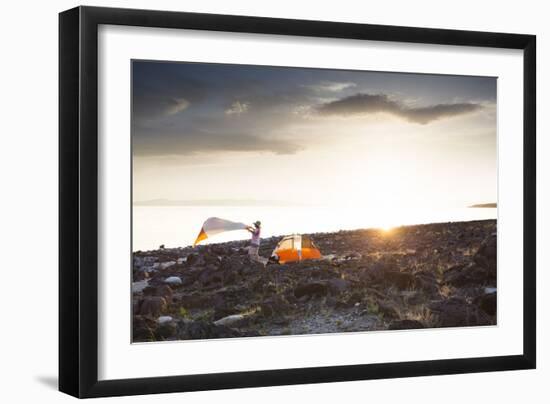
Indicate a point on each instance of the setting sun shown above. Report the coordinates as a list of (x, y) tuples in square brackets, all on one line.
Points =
[(386, 229)]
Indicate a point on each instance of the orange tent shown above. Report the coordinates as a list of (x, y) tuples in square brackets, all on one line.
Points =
[(295, 248)]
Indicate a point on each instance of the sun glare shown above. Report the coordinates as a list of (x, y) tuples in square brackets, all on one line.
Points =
[(386, 229)]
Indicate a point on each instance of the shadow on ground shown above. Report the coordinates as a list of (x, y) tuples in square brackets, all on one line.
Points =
[(48, 381)]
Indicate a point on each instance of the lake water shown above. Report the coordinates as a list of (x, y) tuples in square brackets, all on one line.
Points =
[(178, 226)]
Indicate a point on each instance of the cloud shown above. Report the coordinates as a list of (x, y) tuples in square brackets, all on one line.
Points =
[(331, 86), (304, 111), (364, 104), (237, 108), (177, 105), (426, 115)]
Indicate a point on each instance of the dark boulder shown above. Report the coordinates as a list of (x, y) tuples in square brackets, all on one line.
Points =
[(166, 330), (275, 306), (486, 256), (210, 276), (194, 259), (401, 280), (338, 286), (140, 276), (204, 330), (231, 278), (166, 292), (222, 311), (457, 312), (211, 258), (487, 303), (161, 290), (153, 306), (312, 289), (149, 291), (220, 250), (466, 275), (194, 301), (251, 268), (368, 274), (387, 309), (136, 305), (232, 295), (143, 328), (233, 264), (405, 325), (190, 275), (426, 281)]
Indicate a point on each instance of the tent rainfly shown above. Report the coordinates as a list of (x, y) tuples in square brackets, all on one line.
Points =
[(214, 225), (295, 248)]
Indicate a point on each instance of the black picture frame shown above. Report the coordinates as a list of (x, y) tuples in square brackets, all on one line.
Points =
[(78, 200)]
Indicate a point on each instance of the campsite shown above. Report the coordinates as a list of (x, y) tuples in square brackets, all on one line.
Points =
[(410, 277), (273, 200)]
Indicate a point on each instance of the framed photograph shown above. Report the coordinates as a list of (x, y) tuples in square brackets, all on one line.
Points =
[(251, 201)]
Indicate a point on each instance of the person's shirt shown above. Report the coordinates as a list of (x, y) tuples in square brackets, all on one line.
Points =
[(255, 236)]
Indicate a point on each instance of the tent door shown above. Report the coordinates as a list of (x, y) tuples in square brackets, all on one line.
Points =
[(298, 245)]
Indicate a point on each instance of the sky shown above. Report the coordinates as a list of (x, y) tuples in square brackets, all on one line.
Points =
[(220, 132)]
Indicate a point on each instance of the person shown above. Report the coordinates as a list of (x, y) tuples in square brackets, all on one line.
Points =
[(255, 243)]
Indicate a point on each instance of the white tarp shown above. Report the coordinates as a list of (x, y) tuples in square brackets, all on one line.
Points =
[(215, 225)]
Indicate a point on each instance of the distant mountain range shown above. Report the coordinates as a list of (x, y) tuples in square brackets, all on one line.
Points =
[(214, 202), (484, 205)]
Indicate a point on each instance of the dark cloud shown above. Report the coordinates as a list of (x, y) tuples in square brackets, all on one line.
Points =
[(428, 114), (237, 108), (176, 106), (330, 86), (195, 108), (364, 104), (359, 104)]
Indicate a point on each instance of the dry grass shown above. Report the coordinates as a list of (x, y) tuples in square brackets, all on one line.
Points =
[(419, 313), (445, 291)]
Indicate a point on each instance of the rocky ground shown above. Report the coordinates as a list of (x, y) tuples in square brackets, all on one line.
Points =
[(435, 275)]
